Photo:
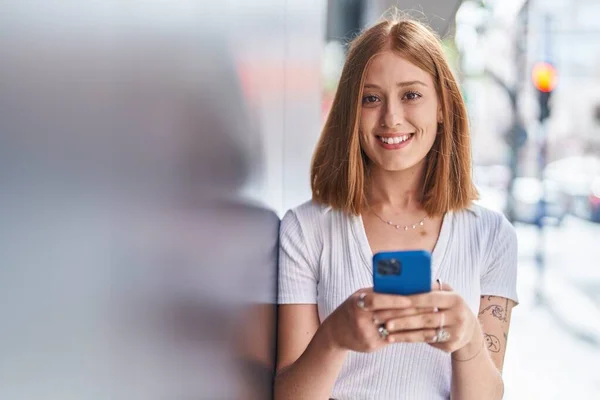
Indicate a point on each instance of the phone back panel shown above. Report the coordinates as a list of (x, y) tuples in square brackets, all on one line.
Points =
[(402, 272)]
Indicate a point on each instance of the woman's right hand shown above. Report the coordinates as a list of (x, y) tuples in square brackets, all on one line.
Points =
[(355, 328)]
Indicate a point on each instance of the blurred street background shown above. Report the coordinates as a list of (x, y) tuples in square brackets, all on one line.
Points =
[(148, 147)]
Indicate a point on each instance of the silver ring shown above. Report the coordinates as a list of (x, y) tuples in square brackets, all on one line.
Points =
[(441, 335), (383, 332), (360, 303)]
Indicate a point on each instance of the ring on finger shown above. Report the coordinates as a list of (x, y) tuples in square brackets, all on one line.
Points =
[(383, 332), (441, 335), (360, 303)]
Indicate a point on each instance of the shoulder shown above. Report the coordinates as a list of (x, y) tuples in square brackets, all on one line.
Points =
[(486, 224), (309, 213), (482, 217), (305, 226), (314, 222), (302, 220), (308, 209)]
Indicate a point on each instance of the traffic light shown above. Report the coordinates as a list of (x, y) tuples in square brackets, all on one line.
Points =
[(544, 78), (543, 100)]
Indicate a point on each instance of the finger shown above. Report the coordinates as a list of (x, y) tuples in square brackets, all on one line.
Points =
[(435, 286), (378, 301), (361, 298), (419, 321), (386, 315), (417, 336), (435, 299)]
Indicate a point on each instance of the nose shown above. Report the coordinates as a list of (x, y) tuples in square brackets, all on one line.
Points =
[(393, 116)]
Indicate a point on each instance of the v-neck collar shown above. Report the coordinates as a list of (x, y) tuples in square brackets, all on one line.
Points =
[(437, 256)]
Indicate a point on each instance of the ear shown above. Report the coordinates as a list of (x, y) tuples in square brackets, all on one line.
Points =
[(440, 116)]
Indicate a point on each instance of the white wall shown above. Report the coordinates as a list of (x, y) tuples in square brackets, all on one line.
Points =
[(282, 77)]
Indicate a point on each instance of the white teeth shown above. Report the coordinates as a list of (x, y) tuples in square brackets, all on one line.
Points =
[(395, 140)]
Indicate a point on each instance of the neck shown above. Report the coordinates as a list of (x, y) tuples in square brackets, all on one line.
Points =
[(400, 190)]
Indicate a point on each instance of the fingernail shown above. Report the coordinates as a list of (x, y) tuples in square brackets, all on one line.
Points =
[(390, 339), (432, 339)]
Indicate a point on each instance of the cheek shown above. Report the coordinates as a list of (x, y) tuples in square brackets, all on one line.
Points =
[(366, 127), (368, 120), (424, 121)]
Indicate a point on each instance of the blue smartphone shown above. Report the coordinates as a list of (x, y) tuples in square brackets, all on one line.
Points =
[(402, 272)]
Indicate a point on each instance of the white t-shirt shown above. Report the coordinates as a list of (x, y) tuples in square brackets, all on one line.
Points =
[(325, 257)]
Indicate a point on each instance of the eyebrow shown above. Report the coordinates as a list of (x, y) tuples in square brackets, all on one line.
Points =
[(400, 84)]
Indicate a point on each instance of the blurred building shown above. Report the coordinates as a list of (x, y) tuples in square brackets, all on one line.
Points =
[(347, 17), (499, 42), (565, 32)]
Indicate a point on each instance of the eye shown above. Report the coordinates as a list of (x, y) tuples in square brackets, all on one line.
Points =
[(370, 99), (412, 96)]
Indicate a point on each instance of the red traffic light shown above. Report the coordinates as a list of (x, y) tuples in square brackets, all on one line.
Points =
[(544, 76)]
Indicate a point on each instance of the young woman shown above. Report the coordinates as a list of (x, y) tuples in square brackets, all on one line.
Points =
[(392, 171)]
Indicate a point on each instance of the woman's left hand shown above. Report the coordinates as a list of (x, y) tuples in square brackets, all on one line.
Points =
[(442, 309)]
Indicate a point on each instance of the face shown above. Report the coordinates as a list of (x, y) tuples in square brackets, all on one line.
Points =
[(399, 113)]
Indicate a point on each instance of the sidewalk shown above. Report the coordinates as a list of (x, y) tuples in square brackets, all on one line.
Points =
[(571, 282), (545, 359)]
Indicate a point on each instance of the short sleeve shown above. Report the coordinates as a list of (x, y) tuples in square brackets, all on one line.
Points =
[(297, 268), (499, 275)]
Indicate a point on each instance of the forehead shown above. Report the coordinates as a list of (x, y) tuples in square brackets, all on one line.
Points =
[(391, 68)]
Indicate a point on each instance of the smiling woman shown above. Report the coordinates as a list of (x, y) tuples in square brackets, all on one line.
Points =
[(392, 171)]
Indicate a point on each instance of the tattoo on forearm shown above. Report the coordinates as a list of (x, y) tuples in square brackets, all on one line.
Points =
[(497, 310), (492, 343)]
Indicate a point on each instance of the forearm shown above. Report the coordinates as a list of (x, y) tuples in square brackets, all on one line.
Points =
[(474, 374), (313, 375)]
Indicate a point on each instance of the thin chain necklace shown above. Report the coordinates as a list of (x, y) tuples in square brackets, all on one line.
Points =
[(405, 227)]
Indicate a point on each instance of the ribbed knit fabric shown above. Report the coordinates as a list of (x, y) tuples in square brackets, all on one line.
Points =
[(325, 257)]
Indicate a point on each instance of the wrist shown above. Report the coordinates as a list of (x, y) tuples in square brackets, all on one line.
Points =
[(473, 346), (328, 338)]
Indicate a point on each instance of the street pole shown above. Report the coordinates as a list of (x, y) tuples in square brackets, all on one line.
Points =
[(544, 95), (540, 256), (518, 133)]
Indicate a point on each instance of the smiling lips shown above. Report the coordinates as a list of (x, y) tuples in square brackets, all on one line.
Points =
[(394, 142)]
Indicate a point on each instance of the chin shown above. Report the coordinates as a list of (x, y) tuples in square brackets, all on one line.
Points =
[(396, 167)]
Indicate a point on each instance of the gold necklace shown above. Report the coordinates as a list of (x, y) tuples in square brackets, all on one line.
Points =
[(405, 227)]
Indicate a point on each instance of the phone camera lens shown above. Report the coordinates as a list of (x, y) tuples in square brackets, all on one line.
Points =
[(389, 267)]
